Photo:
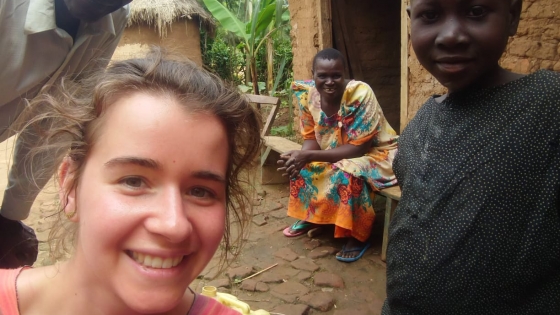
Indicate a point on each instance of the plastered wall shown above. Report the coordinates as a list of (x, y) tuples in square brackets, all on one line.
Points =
[(182, 38)]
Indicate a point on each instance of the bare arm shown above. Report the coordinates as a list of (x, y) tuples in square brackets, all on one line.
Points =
[(293, 161)]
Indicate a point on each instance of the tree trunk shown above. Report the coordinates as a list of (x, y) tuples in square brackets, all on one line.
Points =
[(269, 66), (255, 79)]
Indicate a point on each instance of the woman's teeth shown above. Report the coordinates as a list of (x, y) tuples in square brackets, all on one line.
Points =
[(156, 262)]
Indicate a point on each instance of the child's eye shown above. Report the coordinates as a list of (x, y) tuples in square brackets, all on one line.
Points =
[(201, 193), (132, 182), (477, 11), (429, 15)]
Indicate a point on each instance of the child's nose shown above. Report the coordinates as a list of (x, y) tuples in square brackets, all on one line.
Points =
[(169, 217), (452, 33)]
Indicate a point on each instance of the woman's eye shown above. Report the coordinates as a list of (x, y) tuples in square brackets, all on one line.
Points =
[(133, 182), (201, 193), (477, 11)]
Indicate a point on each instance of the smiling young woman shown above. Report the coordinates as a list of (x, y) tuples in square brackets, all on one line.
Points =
[(147, 185)]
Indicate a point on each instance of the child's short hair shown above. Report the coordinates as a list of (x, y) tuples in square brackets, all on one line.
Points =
[(68, 122)]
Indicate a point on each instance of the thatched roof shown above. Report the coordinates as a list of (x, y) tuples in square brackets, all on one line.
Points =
[(162, 13)]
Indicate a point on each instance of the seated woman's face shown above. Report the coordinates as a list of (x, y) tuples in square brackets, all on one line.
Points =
[(151, 201), (328, 75)]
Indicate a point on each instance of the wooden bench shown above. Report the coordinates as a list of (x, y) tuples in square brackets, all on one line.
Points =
[(393, 195), (270, 156)]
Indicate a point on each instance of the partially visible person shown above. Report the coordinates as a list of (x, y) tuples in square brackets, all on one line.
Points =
[(40, 41), (151, 158), (477, 230), (346, 156)]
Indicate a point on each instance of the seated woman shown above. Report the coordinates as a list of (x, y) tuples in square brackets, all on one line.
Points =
[(145, 196), (346, 156)]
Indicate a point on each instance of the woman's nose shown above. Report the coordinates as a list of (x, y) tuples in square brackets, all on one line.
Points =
[(452, 33), (169, 217)]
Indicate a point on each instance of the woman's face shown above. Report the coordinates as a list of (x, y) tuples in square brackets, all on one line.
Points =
[(151, 202), (328, 75)]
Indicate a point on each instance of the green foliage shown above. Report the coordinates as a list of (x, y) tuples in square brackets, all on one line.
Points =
[(268, 19), (281, 131), (222, 57)]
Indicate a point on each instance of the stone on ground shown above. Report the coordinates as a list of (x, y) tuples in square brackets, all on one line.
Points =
[(327, 279), (286, 254), (240, 272), (297, 309), (321, 252), (289, 291), (305, 264), (319, 300)]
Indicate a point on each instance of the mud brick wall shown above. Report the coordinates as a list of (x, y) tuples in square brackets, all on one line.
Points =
[(535, 46), (304, 35)]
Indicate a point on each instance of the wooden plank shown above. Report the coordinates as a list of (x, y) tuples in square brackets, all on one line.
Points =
[(269, 100), (390, 206), (269, 170), (264, 156), (404, 66), (280, 144), (270, 120), (263, 99), (391, 192), (325, 24)]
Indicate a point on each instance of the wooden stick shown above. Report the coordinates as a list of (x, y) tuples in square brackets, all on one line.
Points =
[(258, 273)]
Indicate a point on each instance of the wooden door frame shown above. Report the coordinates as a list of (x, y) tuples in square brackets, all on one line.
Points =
[(404, 65)]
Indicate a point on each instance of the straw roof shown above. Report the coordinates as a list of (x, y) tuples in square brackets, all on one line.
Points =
[(162, 13)]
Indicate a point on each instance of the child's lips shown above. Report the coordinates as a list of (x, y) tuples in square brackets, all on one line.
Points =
[(453, 64)]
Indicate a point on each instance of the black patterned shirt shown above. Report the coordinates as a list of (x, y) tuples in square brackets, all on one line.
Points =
[(477, 230)]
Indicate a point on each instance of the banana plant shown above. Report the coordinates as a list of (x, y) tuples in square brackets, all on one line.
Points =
[(267, 16)]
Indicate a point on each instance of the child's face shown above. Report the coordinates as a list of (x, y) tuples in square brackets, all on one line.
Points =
[(460, 41), (151, 202)]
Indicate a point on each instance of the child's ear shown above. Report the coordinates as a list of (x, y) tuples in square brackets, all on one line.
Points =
[(67, 188), (515, 14)]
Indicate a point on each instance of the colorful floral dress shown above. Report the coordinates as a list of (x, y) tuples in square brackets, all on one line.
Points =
[(342, 193)]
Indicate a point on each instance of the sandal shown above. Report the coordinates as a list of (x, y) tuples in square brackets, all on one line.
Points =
[(298, 228), (362, 250)]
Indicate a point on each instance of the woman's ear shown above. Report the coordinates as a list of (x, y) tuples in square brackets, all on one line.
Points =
[(515, 14), (67, 188)]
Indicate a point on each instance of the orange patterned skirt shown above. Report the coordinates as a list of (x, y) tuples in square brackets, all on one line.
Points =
[(324, 194)]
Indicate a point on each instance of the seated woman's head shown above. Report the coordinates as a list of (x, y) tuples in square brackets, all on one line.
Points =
[(328, 74), (151, 157)]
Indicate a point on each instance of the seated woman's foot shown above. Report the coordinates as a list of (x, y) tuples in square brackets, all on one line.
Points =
[(298, 228), (352, 251)]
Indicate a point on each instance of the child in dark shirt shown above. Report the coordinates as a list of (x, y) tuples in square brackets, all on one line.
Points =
[(477, 230)]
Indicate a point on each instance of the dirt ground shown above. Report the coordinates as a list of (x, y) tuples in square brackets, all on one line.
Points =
[(307, 278)]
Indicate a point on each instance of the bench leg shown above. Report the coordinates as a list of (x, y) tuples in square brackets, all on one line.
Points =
[(390, 206), (269, 173)]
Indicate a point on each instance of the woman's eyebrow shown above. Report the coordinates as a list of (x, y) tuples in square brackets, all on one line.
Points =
[(128, 160), (209, 175)]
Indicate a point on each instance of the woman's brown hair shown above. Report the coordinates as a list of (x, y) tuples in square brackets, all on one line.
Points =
[(68, 121)]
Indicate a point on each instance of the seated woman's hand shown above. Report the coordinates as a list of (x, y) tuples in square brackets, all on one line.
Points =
[(292, 162)]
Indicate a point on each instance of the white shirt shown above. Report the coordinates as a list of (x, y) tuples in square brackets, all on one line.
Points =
[(33, 50)]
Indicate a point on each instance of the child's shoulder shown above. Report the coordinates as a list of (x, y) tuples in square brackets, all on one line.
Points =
[(544, 80)]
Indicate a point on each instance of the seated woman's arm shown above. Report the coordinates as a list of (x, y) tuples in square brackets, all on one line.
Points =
[(293, 161)]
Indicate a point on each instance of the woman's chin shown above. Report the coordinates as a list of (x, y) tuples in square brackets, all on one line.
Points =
[(158, 303)]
